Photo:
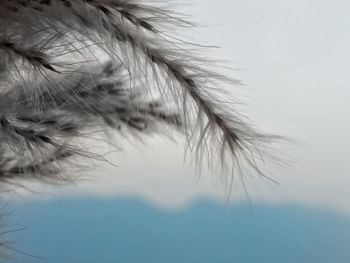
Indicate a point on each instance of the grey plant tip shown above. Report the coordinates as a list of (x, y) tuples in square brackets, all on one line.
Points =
[(72, 67)]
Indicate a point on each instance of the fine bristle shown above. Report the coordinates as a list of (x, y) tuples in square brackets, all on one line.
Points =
[(68, 67)]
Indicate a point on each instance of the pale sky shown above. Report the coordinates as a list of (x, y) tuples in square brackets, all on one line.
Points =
[(293, 57)]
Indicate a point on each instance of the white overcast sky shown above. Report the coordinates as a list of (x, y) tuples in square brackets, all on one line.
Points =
[(294, 59)]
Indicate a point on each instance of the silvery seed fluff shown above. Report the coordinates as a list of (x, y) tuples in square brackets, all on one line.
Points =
[(72, 67)]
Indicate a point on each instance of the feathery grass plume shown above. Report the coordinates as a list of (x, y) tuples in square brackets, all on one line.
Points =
[(70, 67)]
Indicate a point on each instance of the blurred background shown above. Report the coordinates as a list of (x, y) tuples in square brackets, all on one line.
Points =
[(293, 58)]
